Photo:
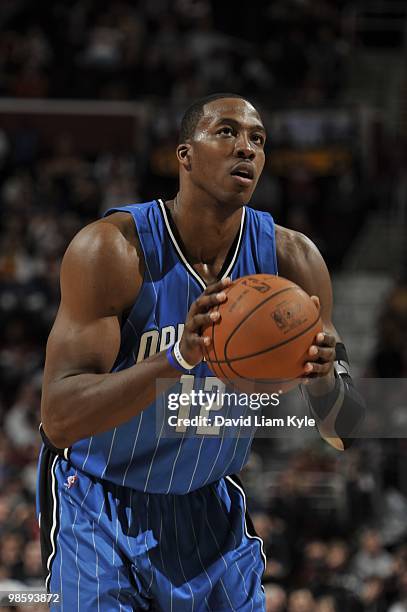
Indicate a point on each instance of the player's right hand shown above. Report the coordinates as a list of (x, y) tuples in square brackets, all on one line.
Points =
[(192, 343)]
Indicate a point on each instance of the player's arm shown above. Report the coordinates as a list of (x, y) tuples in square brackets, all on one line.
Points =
[(101, 275), (300, 261), (337, 406)]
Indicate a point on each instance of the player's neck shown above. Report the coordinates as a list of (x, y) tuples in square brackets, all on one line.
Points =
[(207, 230)]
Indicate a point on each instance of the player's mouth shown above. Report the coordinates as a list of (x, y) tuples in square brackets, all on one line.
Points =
[(243, 173)]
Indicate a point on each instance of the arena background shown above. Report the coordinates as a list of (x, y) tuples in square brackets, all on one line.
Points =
[(91, 97)]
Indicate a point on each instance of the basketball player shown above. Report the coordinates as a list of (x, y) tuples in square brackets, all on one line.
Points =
[(131, 520)]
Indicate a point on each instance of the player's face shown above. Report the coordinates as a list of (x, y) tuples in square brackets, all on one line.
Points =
[(227, 152)]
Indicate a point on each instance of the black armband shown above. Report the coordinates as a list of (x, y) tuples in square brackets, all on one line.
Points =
[(340, 412), (341, 363)]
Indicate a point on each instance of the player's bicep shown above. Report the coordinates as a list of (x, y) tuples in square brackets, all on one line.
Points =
[(81, 346), (97, 285)]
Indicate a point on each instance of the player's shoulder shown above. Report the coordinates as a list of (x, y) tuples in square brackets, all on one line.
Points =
[(107, 255), (291, 243), (295, 250), (110, 238)]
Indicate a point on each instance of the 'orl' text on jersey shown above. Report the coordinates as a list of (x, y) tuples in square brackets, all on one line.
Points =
[(154, 341), (137, 454)]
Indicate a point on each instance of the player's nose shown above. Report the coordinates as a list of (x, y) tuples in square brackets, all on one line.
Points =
[(244, 148)]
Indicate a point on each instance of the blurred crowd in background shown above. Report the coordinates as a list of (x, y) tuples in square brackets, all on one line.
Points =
[(126, 50), (333, 542), (283, 54)]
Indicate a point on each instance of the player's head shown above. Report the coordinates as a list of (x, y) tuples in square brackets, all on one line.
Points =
[(221, 150)]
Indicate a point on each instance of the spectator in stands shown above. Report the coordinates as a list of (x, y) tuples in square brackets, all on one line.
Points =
[(326, 604), (276, 598), (5, 511), (21, 422), (373, 595), (313, 569), (11, 548), (340, 579), (301, 600), (372, 560)]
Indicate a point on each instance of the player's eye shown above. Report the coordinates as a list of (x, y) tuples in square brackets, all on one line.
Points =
[(259, 139), (227, 130)]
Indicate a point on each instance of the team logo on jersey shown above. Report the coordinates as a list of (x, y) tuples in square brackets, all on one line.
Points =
[(71, 481), (156, 340)]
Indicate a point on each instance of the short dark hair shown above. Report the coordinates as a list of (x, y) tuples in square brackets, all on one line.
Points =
[(194, 112)]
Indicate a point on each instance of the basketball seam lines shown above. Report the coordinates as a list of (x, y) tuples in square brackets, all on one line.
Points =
[(226, 360), (267, 299), (273, 381), (269, 348)]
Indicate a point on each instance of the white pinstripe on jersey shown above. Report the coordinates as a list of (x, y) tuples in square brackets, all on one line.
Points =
[(97, 565), (76, 552), (196, 464), (219, 550), (200, 559), (110, 453), (115, 544), (145, 543), (154, 455), (133, 450), (219, 451), (87, 454)]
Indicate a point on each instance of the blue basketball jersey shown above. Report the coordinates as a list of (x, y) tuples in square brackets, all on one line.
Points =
[(136, 454)]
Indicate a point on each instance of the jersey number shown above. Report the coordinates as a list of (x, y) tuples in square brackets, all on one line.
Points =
[(213, 386)]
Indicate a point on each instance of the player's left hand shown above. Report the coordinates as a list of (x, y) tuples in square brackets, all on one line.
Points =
[(321, 354)]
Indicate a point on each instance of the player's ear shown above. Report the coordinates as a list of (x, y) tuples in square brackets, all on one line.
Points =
[(184, 155)]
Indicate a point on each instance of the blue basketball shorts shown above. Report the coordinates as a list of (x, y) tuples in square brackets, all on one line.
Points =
[(107, 547)]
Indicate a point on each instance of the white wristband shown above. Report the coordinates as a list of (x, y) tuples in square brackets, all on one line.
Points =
[(177, 354)]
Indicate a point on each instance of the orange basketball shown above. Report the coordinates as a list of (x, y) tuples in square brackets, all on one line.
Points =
[(266, 328)]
